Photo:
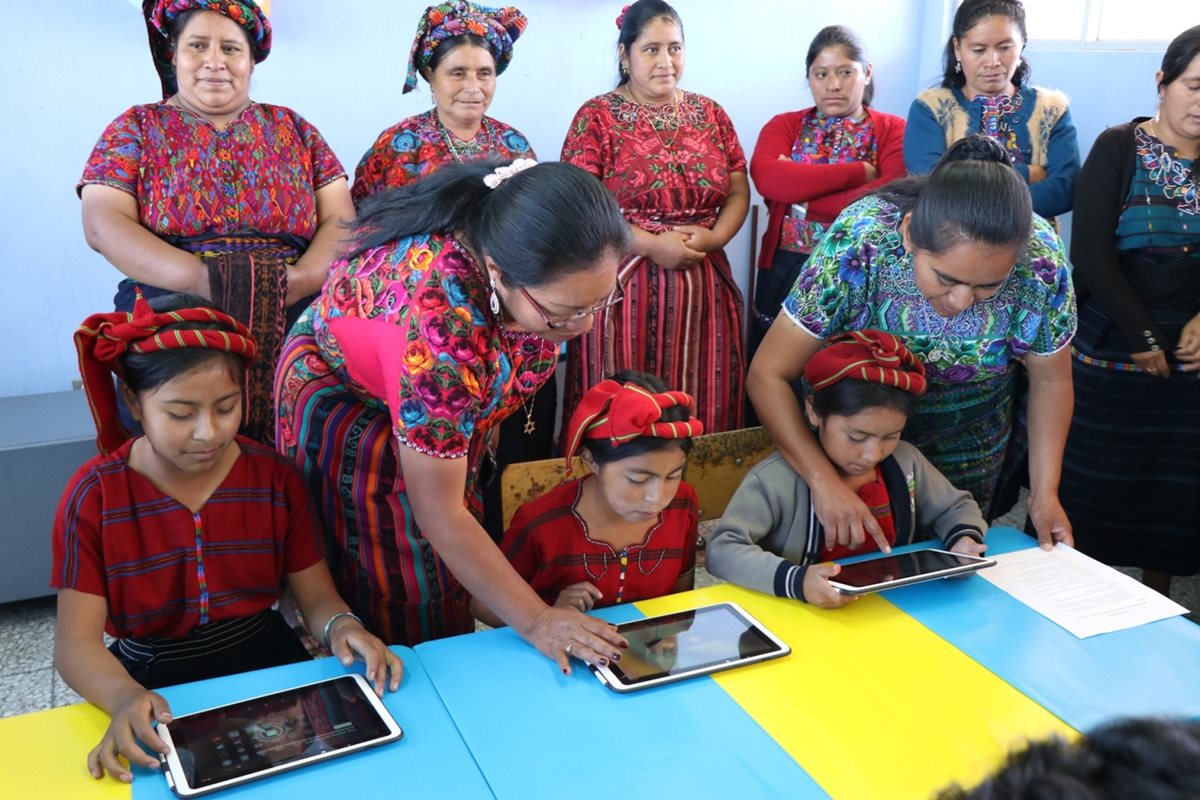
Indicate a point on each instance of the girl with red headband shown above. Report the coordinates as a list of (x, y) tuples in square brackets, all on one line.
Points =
[(178, 542), (627, 530), (861, 390)]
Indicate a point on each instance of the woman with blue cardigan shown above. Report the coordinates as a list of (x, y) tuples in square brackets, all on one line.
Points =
[(984, 90)]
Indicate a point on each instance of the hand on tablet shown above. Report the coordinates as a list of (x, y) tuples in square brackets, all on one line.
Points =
[(563, 633), (582, 596), (969, 547), (349, 639), (846, 518), (817, 590), (132, 720)]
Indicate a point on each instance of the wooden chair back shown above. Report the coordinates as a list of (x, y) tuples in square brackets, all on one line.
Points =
[(716, 466)]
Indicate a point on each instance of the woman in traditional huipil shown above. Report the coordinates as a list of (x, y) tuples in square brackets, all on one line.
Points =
[(446, 315), (212, 193), (985, 89), (1131, 473), (673, 161), (810, 164), (460, 49), (960, 268)]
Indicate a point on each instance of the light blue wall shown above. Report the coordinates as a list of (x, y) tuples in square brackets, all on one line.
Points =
[(341, 65)]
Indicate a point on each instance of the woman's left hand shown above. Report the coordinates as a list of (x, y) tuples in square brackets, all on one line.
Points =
[(350, 639), (1188, 351), (969, 547), (699, 238), (1050, 521)]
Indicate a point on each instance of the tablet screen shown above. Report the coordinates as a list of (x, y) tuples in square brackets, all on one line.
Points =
[(243, 738), (677, 643), (898, 567)]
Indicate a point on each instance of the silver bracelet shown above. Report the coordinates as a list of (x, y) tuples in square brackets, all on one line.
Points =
[(335, 618)]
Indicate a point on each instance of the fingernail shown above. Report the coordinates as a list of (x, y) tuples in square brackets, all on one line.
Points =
[(603, 661), (566, 671), (347, 661), (616, 656)]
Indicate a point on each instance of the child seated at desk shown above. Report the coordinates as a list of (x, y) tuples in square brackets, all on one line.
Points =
[(860, 392), (627, 530), (179, 541)]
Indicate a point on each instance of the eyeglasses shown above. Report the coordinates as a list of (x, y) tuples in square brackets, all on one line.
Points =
[(618, 294)]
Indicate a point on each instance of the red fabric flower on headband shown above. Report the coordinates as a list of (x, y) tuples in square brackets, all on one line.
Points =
[(621, 17), (621, 412), (868, 355), (103, 338)]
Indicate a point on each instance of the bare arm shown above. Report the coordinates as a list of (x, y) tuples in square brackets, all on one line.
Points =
[(112, 228), (319, 601), (334, 211), (1051, 403), (434, 487), (90, 669), (779, 362), (729, 219)]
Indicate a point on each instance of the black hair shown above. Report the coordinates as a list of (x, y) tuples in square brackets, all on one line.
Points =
[(850, 396), (851, 44), (972, 195), (604, 453), (180, 23), (1182, 50), (1143, 758), (970, 14), (637, 17), (545, 221), (144, 372), (448, 46)]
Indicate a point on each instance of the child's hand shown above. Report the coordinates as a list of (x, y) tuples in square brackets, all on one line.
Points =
[(132, 720), (350, 639), (582, 596), (969, 547), (817, 590)]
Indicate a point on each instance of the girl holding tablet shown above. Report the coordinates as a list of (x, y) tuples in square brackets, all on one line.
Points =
[(178, 542), (627, 530), (862, 387)]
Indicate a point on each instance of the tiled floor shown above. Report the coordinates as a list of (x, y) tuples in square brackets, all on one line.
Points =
[(28, 681)]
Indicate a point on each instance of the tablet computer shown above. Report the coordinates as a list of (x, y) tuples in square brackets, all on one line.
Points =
[(672, 647), (251, 739), (890, 571)]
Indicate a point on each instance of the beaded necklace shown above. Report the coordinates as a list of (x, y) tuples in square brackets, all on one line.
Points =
[(472, 150)]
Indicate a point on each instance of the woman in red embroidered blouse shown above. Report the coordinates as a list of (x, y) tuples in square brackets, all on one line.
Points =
[(460, 49), (810, 164), (673, 161), (627, 530), (211, 193)]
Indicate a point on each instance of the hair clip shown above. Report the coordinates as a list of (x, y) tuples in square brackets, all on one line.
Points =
[(500, 174)]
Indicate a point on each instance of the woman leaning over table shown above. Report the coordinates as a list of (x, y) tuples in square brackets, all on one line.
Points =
[(810, 164), (1131, 473), (460, 49), (673, 161), (985, 89), (212, 193), (446, 315), (959, 267)]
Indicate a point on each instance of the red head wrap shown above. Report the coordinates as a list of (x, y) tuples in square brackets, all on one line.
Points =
[(866, 356), (102, 338), (622, 412)]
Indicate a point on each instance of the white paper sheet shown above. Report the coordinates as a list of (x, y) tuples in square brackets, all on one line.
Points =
[(1078, 592)]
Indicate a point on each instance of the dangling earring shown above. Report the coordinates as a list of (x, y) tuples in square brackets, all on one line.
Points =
[(957, 67), (624, 68), (494, 300)]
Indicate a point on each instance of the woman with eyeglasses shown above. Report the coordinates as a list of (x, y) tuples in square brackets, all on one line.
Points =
[(439, 323)]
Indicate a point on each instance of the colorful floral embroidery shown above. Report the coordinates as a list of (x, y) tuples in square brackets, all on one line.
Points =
[(995, 122), (419, 145), (1173, 175), (261, 173)]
